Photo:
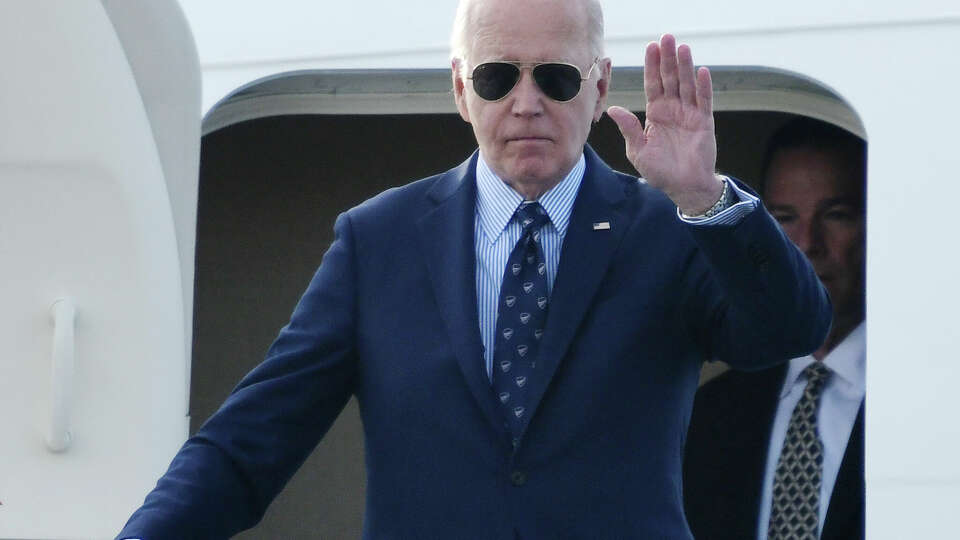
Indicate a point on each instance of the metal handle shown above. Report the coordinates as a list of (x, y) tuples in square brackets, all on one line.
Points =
[(64, 314)]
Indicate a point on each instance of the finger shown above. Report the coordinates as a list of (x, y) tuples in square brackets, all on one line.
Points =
[(668, 65), (630, 127), (686, 76), (652, 85), (704, 91)]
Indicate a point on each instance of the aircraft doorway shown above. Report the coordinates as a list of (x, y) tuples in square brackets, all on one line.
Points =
[(282, 157)]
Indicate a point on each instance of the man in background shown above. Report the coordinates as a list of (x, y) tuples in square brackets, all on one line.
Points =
[(778, 453)]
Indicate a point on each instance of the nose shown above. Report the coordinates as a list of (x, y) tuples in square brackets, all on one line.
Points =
[(809, 238), (527, 97)]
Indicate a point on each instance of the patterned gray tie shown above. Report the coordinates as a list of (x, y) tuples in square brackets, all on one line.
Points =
[(795, 512)]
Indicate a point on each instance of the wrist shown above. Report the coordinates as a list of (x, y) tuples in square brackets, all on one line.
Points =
[(709, 202)]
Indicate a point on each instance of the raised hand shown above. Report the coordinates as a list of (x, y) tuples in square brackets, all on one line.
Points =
[(677, 150)]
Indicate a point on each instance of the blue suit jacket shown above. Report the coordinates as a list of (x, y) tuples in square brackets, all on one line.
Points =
[(391, 316)]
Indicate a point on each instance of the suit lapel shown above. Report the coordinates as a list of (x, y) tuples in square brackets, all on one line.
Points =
[(446, 234), (845, 514), (756, 444), (584, 259)]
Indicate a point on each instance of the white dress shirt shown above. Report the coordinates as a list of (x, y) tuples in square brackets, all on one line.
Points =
[(839, 405)]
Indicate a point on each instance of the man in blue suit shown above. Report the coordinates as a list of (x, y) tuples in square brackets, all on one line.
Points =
[(524, 333)]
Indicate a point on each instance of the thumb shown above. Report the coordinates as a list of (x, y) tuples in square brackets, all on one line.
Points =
[(630, 127)]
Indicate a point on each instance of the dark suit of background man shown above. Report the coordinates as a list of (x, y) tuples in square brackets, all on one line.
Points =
[(406, 312), (814, 186)]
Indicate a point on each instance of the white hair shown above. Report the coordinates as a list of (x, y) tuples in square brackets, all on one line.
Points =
[(460, 38)]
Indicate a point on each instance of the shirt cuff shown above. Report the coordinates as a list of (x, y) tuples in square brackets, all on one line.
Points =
[(731, 216)]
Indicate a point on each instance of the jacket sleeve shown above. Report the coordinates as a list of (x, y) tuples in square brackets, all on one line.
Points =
[(753, 298), (224, 476)]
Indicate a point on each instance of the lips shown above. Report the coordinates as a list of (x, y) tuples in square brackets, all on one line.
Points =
[(529, 138)]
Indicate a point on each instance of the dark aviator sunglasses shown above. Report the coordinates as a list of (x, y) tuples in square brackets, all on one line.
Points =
[(559, 81)]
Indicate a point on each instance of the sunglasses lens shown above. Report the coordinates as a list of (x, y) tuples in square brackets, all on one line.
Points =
[(494, 80), (560, 82)]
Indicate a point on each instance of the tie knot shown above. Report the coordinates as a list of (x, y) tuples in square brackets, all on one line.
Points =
[(816, 374), (532, 216)]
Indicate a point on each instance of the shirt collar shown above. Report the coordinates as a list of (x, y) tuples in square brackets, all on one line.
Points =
[(847, 361), (497, 201)]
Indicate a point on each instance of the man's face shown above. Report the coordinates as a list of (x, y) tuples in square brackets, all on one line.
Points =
[(818, 200), (527, 138)]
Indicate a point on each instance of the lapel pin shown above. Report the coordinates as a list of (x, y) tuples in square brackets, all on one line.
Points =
[(601, 226)]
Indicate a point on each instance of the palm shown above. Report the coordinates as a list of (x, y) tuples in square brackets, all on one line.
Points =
[(679, 142), (676, 151)]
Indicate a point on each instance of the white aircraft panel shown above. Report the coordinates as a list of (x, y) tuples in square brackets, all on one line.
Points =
[(157, 42), (86, 214)]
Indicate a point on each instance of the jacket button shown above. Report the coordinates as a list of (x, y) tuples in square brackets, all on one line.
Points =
[(517, 478)]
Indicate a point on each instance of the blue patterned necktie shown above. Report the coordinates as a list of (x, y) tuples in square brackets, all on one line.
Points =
[(521, 316)]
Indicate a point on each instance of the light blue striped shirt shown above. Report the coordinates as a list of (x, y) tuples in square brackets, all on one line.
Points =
[(496, 234)]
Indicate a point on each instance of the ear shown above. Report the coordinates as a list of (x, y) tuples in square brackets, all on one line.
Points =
[(603, 87), (456, 65)]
